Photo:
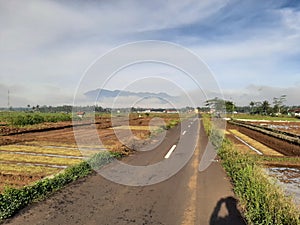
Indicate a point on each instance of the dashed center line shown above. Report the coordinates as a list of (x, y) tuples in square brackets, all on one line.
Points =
[(183, 133), (189, 126), (170, 152)]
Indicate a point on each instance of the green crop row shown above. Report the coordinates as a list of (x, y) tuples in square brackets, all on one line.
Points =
[(262, 200), (30, 118), (12, 199)]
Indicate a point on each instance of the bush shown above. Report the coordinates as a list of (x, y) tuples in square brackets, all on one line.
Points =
[(14, 199), (25, 118)]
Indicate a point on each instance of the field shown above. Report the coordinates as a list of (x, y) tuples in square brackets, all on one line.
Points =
[(288, 126), (240, 137), (261, 198), (286, 169), (32, 152), (261, 117)]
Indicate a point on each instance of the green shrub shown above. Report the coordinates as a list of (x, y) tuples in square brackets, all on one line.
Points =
[(31, 118)]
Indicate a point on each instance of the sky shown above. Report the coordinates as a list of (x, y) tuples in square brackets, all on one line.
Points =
[(250, 46)]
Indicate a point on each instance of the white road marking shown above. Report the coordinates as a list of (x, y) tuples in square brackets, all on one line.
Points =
[(183, 133), (170, 152), (251, 147), (189, 126)]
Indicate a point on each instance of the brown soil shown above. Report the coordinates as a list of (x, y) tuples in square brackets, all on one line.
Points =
[(61, 134), (277, 144), (17, 181)]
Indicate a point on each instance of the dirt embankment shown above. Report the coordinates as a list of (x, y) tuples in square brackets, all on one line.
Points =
[(279, 145)]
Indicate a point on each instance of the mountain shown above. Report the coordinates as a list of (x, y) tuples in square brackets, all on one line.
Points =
[(104, 93)]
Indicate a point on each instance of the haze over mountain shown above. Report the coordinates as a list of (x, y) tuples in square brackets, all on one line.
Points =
[(104, 93), (122, 98)]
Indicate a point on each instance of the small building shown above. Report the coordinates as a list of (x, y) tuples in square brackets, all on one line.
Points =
[(171, 111), (80, 114), (295, 112)]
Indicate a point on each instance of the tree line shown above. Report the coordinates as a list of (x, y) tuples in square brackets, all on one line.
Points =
[(277, 107)]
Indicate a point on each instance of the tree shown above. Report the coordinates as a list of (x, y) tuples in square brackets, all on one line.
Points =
[(216, 104), (252, 105), (265, 107), (229, 106), (278, 103)]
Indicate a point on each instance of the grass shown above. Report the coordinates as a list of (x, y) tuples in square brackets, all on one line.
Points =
[(262, 201), (261, 117), (172, 123)]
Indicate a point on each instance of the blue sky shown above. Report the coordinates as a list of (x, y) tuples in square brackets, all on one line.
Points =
[(251, 46)]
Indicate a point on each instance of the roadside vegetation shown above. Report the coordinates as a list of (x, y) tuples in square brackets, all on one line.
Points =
[(262, 200), (12, 199)]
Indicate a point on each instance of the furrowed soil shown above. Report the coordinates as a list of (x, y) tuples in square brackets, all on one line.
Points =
[(284, 168), (281, 146), (58, 140), (291, 127)]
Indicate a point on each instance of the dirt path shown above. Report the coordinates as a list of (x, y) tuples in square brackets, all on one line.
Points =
[(189, 197)]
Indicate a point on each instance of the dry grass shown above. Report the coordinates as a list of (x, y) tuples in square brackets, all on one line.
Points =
[(147, 128), (259, 146), (27, 170), (40, 149), (37, 159)]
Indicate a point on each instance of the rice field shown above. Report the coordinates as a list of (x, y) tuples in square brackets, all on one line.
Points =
[(22, 164)]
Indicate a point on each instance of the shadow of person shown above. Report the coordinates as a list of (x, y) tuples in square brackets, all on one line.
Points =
[(233, 217)]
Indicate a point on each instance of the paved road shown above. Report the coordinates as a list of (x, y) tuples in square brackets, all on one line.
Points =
[(188, 197)]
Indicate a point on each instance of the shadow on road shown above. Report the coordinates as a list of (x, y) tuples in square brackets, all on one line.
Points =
[(233, 217)]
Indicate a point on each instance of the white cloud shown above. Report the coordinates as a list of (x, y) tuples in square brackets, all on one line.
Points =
[(50, 43), (243, 96)]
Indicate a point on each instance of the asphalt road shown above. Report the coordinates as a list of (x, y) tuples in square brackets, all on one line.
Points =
[(188, 197)]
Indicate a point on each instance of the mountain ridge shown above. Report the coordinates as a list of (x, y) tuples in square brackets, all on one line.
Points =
[(105, 93)]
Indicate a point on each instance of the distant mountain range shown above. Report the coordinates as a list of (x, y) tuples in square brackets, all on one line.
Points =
[(99, 94)]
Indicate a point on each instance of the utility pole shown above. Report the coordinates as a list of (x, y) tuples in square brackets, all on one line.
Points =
[(8, 100)]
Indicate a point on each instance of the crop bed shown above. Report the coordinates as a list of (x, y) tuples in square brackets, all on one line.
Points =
[(30, 153), (286, 126), (283, 142)]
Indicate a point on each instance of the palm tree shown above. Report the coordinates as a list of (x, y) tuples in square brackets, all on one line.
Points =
[(252, 105), (265, 107)]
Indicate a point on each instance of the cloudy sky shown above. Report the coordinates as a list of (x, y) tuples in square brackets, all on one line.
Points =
[(251, 46)]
